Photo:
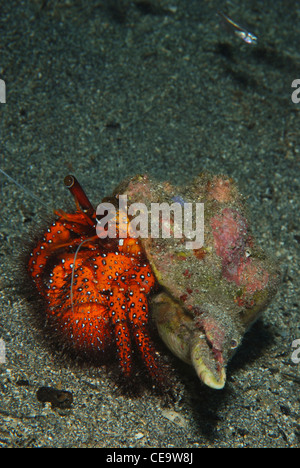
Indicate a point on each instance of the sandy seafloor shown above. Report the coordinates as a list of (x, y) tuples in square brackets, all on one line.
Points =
[(108, 89)]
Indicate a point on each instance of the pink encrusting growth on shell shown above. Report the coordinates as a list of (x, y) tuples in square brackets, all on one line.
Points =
[(232, 244), (220, 189), (230, 231)]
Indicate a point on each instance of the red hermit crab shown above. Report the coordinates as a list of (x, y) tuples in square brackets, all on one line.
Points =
[(102, 291), (95, 290)]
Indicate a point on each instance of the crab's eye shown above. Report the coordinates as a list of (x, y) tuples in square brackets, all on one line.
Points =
[(248, 252), (233, 344)]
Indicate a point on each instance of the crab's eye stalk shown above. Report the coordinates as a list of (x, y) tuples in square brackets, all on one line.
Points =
[(78, 193)]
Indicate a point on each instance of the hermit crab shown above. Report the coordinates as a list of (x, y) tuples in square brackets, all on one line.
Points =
[(105, 276)]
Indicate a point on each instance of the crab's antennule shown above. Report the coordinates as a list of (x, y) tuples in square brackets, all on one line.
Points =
[(78, 193), (24, 189)]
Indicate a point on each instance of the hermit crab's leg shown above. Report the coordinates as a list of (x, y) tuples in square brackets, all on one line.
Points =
[(60, 235), (89, 325), (138, 318), (84, 318), (117, 304), (55, 238), (55, 235)]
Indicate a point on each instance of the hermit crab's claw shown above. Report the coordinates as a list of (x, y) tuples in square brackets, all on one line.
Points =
[(202, 339), (209, 370)]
